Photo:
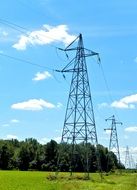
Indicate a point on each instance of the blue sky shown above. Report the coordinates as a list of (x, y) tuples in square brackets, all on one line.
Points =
[(33, 99)]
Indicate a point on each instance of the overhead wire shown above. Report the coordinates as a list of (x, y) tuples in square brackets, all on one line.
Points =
[(25, 61), (108, 89), (26, 32), (14, 26)]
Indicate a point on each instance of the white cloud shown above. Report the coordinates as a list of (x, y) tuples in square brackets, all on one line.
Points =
[(135, 59), (103, 105), (127, 102), (107, 132), (48, 34), (42, 76), (46, 140), (11, 137), (131, 129), (33, 105), (59, 105), (14, 121), (126, 137), (57, 139), (4, 33), (5, 125)]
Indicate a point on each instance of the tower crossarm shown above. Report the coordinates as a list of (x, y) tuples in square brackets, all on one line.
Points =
[(107, 129), (84, 53)]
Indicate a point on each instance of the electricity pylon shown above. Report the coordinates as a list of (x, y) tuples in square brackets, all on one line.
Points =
[(127, 159), (113, 143), (79, 124)]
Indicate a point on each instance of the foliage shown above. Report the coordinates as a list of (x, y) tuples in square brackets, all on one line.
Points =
[(31, 155)]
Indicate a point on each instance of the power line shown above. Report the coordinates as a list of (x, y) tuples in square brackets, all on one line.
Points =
[(25, 61), (14, 26), (30, 6), (108, 90), (26, 31)]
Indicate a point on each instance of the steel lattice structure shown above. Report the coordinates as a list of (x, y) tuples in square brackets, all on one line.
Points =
[(113, 143), (79, 124), (127, 159)]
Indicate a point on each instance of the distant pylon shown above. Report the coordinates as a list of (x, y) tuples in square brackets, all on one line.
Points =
[(79, 124), (113, 143), (132, 163), (127, 159)]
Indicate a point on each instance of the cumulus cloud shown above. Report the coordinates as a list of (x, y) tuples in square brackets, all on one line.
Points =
[(131, 129), (103, 105), (127, 102), (46, 140), (48, 34), (135, 59), (11, 137), (14, 121), (5, 125), (126, 137), (4, 33), (59, 105), (107, 132), (33, 105), (42, 76)]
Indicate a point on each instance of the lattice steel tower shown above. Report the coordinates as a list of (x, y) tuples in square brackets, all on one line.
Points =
[(113, 144), (79, 124), (127, 159)]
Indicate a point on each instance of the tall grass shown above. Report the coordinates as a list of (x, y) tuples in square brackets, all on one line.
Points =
[(17, 180)]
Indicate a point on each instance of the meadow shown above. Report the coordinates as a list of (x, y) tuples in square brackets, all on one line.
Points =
[(21, 180)]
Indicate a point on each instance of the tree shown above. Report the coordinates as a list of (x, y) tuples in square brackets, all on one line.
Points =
[(6, 153)]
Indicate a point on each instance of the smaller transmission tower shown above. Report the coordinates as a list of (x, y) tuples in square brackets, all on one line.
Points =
[(113, 144), (127, 159)]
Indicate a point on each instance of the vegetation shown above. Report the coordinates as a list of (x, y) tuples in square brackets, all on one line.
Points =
[(31, 155), (22, 180)]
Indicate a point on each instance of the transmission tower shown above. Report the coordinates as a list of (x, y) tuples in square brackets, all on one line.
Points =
[(113, 144), (127, 159), (79, 124)]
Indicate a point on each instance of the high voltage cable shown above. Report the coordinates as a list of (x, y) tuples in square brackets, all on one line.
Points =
[(31, 63), (108, 90), (23, 29), (25, 61), (25, 32), (14, 26), (11, 23)]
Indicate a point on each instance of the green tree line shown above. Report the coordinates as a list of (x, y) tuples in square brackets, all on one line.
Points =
[(31, 155)]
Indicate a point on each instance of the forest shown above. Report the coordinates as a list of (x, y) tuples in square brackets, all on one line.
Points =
[(31, 155)]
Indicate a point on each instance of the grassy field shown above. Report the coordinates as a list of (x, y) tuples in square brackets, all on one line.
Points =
[(17, 180)]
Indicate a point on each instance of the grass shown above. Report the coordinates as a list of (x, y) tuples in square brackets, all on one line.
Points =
[(17, 180)]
